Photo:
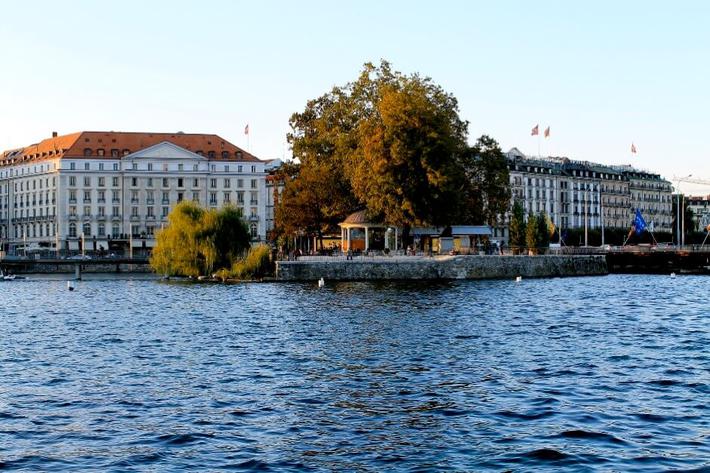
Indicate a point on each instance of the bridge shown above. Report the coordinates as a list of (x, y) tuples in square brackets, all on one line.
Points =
[(29, 265)]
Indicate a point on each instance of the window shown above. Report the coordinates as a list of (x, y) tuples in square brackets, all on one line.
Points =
[(165, 211), (240, 183), (115, 166), (134, 166), (180, 167), (134, 197), (195, 167), (72, 230), (166, 197), (102, 181), (87, 166), (87, 181), (253, 184), (134, 211), (253, 169), (101, 166), (102, 196), (165, 182), (226, 197), (134, 181), (179, 197), (100, 152), (116, 211), (114, 153), (87, 210), (226, 183), (102, 211), (87, 196), (213, 198), (150, 230), (72, 166), (87, 151), (240, 197), (239, 168), (72, 181), (210, 154), (150, 166), (165, 167), (150, 212), (213, 168), (115, 196), (180, 182), (195, 183), (86, 229), (150, 182), (72, 211), (253, 230), (149, 197), (114, 230), (195, 196), (102, 230), (213, 183), (225, 155)]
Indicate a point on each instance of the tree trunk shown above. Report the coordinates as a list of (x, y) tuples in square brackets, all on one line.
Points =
[(406, 228)]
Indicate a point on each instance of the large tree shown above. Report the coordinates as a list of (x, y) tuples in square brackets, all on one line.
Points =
[(395, 145)]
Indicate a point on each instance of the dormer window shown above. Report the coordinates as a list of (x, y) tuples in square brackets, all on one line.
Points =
[(100, 152), (210, 154), (87, 151), (225, 154), (238, 154), (126, 152), (114, 153)]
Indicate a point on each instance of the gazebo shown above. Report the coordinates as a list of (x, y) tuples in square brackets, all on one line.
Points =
[(357, 222)]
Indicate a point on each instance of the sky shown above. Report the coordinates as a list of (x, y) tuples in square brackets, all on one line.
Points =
[(602, 75)]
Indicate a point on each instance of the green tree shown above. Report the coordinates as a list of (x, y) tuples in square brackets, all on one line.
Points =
[(196, 241), (543, 230), (517, 227), (488, 191), (532, 234)]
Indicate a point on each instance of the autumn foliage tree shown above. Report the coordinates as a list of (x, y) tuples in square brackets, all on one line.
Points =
[(395, 145)]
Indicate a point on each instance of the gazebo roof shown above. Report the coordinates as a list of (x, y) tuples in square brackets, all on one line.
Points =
[(357, 217), (360, 219)]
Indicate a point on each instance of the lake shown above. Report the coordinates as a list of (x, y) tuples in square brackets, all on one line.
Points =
[(576, 374)]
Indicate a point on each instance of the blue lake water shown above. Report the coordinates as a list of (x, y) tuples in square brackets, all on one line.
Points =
[(578, 374)]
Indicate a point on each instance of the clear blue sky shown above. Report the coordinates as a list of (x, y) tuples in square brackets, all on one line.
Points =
[(601, 74)]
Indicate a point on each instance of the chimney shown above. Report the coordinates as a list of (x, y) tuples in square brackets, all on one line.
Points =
[(54, 134)]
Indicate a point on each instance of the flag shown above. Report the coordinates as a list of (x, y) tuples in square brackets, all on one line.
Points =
[(246, 129), (535, 131), (547, 132), (633, 148), (639, 224)]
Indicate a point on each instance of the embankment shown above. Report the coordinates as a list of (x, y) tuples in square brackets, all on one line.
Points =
[(441, 267)]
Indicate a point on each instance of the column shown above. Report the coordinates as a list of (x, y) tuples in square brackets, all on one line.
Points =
[(349, 247), (367, 239)]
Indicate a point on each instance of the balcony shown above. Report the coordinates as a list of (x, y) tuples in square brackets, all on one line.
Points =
[(71, 201), (101, 201), (73, 217), (134, 201), (135, 218), (254, 202), (86, 217), (87, 201), (116, 200), (253, 218), (101, 218), (150, 201), (150, 217), (115, 218)]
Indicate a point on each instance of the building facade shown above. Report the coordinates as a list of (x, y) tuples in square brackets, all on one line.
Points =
[(580, 194), (114, 190)]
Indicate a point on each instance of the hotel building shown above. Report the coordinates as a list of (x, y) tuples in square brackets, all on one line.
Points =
[(114, 190), (579, 194)]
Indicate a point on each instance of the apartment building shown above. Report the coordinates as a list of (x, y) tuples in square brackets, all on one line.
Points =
[(579, 194), (112, 190)]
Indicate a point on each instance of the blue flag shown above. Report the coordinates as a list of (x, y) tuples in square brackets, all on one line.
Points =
[(639, 223)]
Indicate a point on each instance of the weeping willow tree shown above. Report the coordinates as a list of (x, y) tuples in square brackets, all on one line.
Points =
[(197, 241)]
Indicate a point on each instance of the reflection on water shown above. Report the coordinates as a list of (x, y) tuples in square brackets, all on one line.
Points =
[(605, 373)]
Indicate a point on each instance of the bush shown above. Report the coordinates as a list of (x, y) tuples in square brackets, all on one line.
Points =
[(255, 265)]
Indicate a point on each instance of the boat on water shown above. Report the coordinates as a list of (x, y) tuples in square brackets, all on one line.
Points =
[(9, 277)]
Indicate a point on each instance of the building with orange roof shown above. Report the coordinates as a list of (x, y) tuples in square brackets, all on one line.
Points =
[(111, 191)]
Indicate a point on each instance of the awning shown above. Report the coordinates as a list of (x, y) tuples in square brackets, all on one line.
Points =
[(426, 231), (460, 230)]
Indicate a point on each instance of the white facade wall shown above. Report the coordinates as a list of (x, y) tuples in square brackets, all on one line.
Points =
[(54, 202)]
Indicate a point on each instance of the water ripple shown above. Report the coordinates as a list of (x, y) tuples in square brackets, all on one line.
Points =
[(576, 374)]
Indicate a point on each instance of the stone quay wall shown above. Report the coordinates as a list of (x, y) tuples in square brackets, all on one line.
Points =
[(441, 267)]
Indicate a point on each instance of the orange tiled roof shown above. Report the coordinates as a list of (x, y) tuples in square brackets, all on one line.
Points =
[(77, 145)]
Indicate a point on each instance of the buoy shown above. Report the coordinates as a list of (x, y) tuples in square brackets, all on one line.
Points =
[(321, 282), (672, 275), (518, 278), (70, 285)]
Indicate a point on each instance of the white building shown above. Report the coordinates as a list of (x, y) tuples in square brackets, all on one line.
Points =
[(113, 190)]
